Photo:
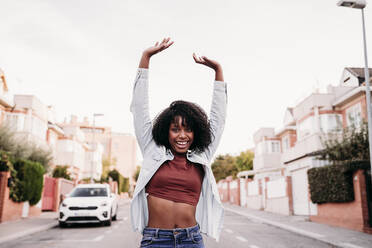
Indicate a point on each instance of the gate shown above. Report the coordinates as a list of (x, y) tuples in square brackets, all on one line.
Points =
[(49, 194)]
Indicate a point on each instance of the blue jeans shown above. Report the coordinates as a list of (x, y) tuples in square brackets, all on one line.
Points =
[(172, 238)]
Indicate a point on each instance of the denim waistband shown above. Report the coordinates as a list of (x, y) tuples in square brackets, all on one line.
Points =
[(170, 232)]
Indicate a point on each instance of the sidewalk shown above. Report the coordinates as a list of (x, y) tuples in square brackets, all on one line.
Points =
[(336, 236), (16, 229)]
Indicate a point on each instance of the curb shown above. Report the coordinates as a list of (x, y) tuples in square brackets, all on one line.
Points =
[(27, 232), (289, 228)]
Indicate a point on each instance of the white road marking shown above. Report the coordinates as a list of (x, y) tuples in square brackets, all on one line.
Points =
[(99, 238), (253, 246), (351, 245), (228, 230), (115, 227), (241, 238), (108, 231)]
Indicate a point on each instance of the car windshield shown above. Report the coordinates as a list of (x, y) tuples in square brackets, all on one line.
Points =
[(88, 192)]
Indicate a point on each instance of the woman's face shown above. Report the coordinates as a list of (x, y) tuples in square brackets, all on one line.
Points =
[(180, 137)]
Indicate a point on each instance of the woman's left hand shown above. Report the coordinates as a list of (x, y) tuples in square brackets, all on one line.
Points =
[(211, 64), (207, 62)]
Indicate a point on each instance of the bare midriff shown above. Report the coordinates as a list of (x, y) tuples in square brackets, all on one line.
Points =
[(167, 214)]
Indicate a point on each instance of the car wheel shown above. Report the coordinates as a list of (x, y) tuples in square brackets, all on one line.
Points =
[(116, 214), (108, 222), (62, 224)]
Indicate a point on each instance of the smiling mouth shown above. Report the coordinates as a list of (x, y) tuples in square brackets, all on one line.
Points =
[(182, 144)]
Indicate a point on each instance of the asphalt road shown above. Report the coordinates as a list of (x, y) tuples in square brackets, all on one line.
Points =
[(238, 232)]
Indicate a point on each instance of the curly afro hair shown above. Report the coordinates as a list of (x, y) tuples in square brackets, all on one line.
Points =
[(193, 116)]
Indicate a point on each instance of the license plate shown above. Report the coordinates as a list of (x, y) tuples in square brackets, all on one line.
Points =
[(81, 214)]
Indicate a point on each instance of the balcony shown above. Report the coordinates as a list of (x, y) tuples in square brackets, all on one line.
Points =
[(267, 160), (302, 147)]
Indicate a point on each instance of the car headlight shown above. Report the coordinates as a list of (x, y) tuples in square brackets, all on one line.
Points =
[(104, 204)]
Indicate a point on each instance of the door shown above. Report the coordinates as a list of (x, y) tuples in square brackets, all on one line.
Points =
[(300, 192)]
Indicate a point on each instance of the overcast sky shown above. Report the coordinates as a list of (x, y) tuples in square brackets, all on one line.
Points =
[(81, 55)]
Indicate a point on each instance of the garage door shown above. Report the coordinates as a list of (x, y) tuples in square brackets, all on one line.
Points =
[(300, 192)]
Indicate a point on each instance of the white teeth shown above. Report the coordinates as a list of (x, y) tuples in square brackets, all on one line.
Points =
[(182, 143)]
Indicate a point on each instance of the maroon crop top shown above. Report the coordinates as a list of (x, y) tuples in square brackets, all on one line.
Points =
[(178, 180)]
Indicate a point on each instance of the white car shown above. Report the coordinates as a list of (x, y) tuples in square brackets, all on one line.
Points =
[(89, 203)]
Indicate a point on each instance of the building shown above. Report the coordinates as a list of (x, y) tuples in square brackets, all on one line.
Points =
[(28, 119), (5, 102), (118, 148), (288, 150)]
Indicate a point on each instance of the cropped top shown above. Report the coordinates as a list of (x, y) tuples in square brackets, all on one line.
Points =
[(177, 180)]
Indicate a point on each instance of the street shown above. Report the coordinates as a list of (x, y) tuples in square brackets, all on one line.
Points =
[(238, 232)]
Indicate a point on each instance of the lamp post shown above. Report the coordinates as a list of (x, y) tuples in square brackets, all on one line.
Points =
[(93, 145), (361, 4)]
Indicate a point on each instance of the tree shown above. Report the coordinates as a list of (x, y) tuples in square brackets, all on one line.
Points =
[(245, 160), (106, 164), (61, 172), (351, 145), (21, 149), (136, 173), (223, 166), (227, 165)]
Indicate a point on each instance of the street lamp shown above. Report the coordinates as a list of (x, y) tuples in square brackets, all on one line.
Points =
[(94, 145), (361, 4)]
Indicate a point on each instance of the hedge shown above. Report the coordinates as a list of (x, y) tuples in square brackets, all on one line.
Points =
[(123, 182), (28, 181), (334, 183), (5, 163)]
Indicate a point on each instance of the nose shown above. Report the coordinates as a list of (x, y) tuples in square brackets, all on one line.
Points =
[(182, 134)]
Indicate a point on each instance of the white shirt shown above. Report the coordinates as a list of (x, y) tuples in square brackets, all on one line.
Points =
[(209, 210)]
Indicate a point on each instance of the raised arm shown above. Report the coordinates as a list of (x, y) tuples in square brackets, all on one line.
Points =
[(140, 102), (219, 103)]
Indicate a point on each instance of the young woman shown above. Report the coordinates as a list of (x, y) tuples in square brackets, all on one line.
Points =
[(176, 195)]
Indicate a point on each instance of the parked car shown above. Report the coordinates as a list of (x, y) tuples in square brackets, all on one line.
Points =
[(89, 203)]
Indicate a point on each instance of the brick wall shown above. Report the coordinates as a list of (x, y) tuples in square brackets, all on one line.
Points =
[(352, 215), (235, 192), (10, 210), (224, 190)]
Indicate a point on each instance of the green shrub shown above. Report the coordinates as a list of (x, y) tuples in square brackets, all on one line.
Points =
[(28, 181), (5, 164), (123, 182), (334, 183), (61, 171)]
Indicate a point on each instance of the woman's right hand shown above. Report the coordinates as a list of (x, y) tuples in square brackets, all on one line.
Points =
[(158, 47)]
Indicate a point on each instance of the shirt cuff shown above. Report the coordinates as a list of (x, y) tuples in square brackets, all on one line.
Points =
[(220, 85), (143, 73)]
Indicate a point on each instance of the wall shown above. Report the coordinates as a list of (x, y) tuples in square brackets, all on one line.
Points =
[(254, 195), (235, 192), (9, 210), (223, 189), (277, 198), (351, 215)]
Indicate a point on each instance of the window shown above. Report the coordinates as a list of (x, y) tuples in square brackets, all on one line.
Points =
[(16, 122), (330, 123), (354, 115), (268, 146), (285, 142), (306, 127), (275, 147)]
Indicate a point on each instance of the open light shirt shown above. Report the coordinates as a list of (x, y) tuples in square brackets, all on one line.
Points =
[(209, 210)]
